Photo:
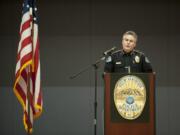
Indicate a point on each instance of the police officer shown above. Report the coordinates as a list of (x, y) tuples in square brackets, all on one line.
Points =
[(128, 60)]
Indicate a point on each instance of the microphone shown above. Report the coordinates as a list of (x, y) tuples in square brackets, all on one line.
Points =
[(109, 51)]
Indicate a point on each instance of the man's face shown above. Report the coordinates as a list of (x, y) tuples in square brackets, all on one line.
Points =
[(128, 43)]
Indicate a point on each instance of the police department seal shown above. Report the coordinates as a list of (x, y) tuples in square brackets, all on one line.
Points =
[(130, 96)]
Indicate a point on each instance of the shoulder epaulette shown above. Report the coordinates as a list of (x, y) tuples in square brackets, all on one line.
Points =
[(137, 51)]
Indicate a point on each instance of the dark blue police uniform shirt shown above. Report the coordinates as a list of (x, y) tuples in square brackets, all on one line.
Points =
[(134, 62)]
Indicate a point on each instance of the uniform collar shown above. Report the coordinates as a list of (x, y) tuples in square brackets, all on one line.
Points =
[(130, 53)]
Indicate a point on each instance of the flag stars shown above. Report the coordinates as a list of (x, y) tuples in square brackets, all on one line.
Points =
[(35, 9), (27, 6)]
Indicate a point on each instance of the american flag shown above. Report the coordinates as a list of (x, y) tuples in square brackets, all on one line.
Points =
[(27, 86)]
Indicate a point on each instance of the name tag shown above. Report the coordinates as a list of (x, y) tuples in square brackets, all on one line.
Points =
[(118, 63)]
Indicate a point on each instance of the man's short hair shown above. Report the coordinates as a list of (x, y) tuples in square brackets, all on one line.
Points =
[(131, 33)]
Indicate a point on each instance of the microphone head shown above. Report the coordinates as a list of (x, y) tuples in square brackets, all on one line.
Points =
[(114, 48), (109, 51)]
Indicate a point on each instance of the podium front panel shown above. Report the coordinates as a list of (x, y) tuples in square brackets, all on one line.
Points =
[(115, 124)]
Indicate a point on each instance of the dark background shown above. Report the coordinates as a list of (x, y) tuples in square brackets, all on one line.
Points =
[(73, 34)]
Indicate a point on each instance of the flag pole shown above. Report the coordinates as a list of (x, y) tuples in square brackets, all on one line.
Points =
[(28, 96), (28, 77)]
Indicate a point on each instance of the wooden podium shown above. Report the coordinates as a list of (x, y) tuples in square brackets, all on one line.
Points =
[(114, 123)]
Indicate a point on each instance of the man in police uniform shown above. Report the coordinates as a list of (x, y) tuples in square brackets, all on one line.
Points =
[(128, 60)]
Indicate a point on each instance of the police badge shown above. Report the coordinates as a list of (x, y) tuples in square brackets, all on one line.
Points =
[(130, 97), (137, 59)]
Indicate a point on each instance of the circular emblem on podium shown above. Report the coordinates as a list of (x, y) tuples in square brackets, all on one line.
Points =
[(130, 96)]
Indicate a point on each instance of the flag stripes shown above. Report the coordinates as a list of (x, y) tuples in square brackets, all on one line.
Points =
[(27, 86)]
